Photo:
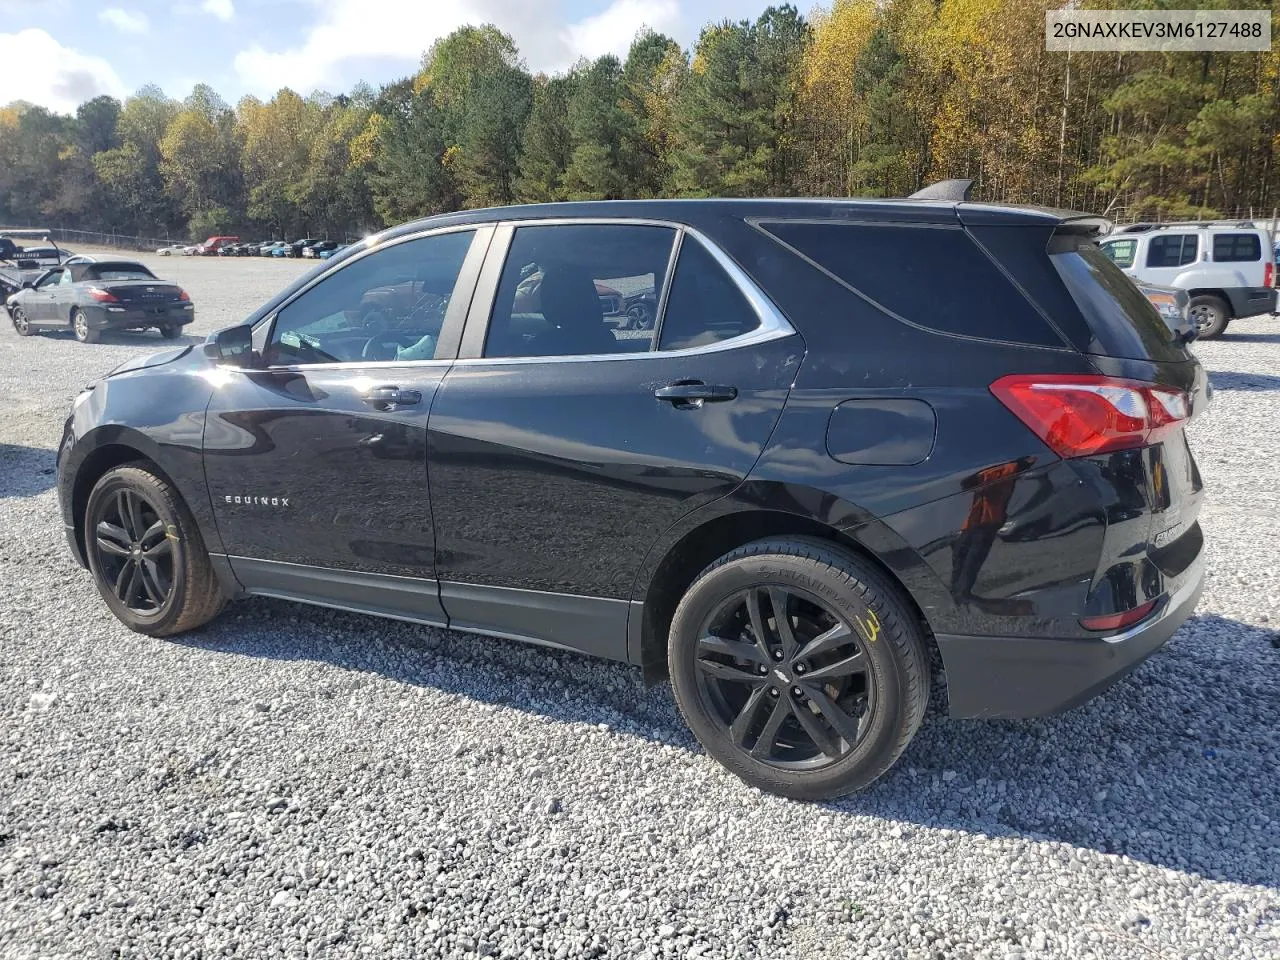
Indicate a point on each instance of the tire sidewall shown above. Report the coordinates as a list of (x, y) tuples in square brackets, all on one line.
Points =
[(1219, 323), (803, 577), (129, 478)]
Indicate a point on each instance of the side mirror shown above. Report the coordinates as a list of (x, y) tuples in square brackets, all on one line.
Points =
[(28, 284), (233, 345)]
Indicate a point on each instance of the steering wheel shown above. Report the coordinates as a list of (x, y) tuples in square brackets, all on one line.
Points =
[(384, 346)]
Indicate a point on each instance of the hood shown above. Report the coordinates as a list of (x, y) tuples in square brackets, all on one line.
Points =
[(151, 360)]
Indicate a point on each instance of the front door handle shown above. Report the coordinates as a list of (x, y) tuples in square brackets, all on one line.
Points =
[(385, 398), (691, 394)]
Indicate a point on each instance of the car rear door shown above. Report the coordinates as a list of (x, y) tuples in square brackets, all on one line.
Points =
[(316, 463), (561, 447), (1168, 255)]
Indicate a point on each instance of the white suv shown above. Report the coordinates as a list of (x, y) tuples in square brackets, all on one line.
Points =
[(1228, 270)]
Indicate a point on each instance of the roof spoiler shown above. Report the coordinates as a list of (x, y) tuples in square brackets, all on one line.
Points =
[(954, 190)]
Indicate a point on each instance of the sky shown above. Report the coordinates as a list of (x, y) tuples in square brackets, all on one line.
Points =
[(59, 53)]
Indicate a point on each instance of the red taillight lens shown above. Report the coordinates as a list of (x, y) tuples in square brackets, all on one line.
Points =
[(1269, 275), (1114, 621), (102, 296), (184, 296), (1081, 415)]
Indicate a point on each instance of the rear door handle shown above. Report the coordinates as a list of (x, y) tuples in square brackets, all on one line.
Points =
[(386, 397), (693, 393)]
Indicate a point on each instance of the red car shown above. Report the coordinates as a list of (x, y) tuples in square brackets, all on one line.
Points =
[(211, 246)]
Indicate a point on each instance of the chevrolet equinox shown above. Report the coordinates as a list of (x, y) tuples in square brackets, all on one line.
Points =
[(856, 437)]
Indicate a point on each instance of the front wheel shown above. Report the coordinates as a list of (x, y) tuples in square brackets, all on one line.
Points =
[(80, 326), (1210, 314), (20, 321), (146, 554), (799, 668)]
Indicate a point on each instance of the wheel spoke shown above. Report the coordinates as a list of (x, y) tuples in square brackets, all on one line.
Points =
[(821, 738), (124, 515), (149, 575), (138, 526), (746, 717), (781, 621), (162, 549), (764, 743), (113, 539), (757, 623), (709, 644), (153, 532), (841, 668), (843, 724), (127, 582), (832, 639), (730, 671)]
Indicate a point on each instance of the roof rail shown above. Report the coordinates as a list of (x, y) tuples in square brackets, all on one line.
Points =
[(956, 190)]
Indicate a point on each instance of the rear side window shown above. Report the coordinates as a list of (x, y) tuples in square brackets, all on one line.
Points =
[(705, 305), (932, 276), (1172, 250), (1121, 252), (1124, 322), (1236, 247)]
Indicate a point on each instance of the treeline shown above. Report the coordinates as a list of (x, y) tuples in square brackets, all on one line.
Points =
[(867, 98)]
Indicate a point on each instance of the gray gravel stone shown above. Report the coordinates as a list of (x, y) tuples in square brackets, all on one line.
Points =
[(294, 782)]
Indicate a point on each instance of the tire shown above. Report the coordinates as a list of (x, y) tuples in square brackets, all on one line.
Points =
[(80, 327), (171, 331), (20, 321), (118, 543), (640, 316), (865, 624), (1210, 314)]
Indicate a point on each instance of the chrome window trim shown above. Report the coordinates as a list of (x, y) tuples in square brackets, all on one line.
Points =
[(270, 319), (773, 325)]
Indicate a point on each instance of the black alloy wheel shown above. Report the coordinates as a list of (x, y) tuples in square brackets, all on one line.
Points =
[(785, 677), (134, 552), (146, 554), (799, 666)]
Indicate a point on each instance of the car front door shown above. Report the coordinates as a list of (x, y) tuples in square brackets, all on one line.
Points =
[(562, 445), (39, 303), (316, 463)]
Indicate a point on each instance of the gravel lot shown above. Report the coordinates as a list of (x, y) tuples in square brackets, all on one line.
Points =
[(297, 783)]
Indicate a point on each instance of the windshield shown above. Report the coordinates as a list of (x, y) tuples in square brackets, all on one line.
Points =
[(1123, 321)]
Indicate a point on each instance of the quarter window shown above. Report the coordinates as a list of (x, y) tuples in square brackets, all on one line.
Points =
[(579, 290), (386, 306), (1236, 247), (1172, 250), (1121, 252), (705, 305)]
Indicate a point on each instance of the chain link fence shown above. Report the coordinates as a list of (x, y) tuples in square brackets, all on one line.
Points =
[(94, 238)]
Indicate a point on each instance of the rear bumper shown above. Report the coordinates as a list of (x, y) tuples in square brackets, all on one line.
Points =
[(1018, 677), (1252, 301), (132, 318)]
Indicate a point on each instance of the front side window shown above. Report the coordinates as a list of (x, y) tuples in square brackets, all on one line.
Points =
[(1172, 250), (1121, 252), (386, 306), (1237, 248), (50, 278), (579, 290), (705, 305)]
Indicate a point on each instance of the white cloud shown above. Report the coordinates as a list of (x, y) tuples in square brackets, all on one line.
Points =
[(126, 21), (402, 31), (40, 70), (612, 30), (222, 9)]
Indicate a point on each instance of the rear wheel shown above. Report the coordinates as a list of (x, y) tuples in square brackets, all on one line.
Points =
[(80, 326), (20, 321), (1210, 315), (170, 331), (799, 668), (146, 554)]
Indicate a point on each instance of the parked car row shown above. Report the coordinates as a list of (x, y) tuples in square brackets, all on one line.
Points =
[(309, 247)]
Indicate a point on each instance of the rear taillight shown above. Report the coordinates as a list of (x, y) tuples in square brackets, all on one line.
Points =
[(102, 296), (184, 296), (1269, 275), (1114, 621), (1081, 415)]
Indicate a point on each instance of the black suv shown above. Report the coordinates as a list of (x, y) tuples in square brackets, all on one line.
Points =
[(857, 434)]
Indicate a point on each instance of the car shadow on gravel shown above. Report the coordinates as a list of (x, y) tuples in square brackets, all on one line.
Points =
[(1174, 766), (26, 471), (1248, 382)]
